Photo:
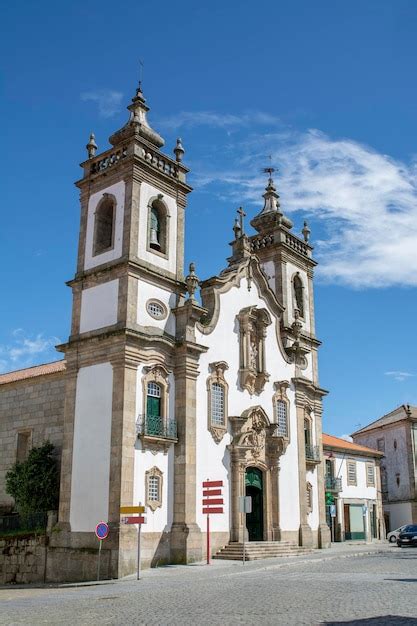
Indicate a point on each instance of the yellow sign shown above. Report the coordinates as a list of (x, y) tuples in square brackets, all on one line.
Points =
[(131, 509)]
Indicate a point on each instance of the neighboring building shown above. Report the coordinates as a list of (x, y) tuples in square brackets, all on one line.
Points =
[(353, 485), (162, 392), (395, 436), (31, 411)]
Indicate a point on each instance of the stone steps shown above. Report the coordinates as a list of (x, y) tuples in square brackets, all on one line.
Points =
[(260, 550)]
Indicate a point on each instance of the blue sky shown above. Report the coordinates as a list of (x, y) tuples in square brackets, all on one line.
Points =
[(327, 88)]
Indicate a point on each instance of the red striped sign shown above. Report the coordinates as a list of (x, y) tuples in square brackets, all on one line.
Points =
[(212, 510), (211, 501), (212, 492), (213, 483), (135, 520)]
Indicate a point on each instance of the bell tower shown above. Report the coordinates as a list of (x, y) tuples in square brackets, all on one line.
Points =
[(128, 283)]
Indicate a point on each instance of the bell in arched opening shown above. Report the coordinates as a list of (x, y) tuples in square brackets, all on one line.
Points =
[(154, 230)]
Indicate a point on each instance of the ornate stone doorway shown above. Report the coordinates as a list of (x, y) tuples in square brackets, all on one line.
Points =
[(255, 452), (254, 489)]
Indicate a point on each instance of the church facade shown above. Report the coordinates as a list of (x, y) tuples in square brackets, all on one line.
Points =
[(164, 391)]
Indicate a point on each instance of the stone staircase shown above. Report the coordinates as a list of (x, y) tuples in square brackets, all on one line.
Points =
[(260, 550)]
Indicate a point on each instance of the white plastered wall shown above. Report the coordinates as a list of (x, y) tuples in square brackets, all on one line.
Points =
[(360, 490), (161, 519), (118, 191), (213, 459), (99, 306), (148, 291), (148, 192), (91, 447)]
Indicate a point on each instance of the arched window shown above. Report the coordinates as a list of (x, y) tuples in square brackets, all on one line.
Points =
[(217, 390), (281, 409), (158, 226), (154, 419), (153, 488), (282, 418), (104, 225), (217, 404), (298, 294)]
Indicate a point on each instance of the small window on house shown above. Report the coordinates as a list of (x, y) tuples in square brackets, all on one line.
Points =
[(351, 473), (158, 227), (282, 418), (395, 444), (370, 475), (23, 446), (217, 404), (380, 444), (104, 225), (398, 479), (298, 294)]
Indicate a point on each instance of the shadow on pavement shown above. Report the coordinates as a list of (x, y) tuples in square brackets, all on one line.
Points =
[(382, 620)]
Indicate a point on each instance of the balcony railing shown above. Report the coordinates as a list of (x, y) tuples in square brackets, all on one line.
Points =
[(312, 453), (333, 484), (156, 426)]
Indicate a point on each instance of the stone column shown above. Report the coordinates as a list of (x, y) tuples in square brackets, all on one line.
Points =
[(186, 541), (305, 533), (238, 531), (68, 441), (324, 534), (122, 459), (274, 482)]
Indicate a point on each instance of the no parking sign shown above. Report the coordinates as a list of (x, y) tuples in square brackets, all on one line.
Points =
[(102, 531)]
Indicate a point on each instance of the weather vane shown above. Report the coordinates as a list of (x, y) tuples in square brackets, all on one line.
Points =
[(270, 169), (140, 71)]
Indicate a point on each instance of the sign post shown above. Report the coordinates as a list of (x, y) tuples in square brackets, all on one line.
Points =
[(101, 531), (139, 520), (245, 506), (212, 504)]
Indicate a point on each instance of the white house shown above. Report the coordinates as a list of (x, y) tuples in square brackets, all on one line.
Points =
[(353, 490)]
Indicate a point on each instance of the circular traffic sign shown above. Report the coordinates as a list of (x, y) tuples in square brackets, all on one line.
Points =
[(102, 530)]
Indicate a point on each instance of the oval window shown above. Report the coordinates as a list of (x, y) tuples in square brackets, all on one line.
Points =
[(156, 309)]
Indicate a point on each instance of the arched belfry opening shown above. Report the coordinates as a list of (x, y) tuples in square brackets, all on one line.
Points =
[(104, 224), (158, 226)]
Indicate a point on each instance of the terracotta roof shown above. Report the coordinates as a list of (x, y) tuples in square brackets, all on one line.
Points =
[(32, 372), (330, 441)]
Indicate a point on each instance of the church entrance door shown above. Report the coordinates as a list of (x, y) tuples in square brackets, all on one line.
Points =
[(254, 488)]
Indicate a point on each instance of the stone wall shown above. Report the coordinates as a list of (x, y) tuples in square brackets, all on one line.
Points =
[(35, 405), (23, 559)]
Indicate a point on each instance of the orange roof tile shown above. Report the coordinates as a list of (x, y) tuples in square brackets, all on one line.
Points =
[(32, 372), (336, 442)]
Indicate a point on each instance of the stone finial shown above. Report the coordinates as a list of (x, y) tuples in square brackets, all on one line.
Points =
[(91, 146), (271, 198), (237, 229), (179, 151), (306, 232), (192, 282)]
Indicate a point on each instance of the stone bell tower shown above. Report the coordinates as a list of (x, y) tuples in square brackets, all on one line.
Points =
[(129, 279), (287, 263)]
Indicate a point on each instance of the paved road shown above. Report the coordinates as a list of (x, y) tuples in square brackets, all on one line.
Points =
[(376, 589)]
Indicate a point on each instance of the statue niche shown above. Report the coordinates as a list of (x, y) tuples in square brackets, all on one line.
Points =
[(253, 323)]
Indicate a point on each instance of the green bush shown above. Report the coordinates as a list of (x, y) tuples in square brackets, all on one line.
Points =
[(34, 484)]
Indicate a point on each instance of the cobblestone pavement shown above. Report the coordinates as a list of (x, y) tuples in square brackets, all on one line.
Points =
[(376, 589)]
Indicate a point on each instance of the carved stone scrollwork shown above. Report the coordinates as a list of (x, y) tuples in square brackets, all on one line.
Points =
[(253, 323)]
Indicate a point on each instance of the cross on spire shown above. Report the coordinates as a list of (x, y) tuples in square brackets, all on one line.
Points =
[(241, 214)]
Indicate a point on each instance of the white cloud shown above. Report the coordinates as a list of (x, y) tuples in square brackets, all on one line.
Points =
[(108, 101), (25, 350), (398, 375), (227, 121), (346, 438), (366, 202)]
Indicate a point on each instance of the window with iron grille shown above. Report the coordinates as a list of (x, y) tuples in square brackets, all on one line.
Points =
[(156, 309), (351, 472), (154, 489), (282, 418), (217, 404), (370, 475)]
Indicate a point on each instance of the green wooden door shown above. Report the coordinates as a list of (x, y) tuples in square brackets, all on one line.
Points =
[(153, 415), (254, 489)]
